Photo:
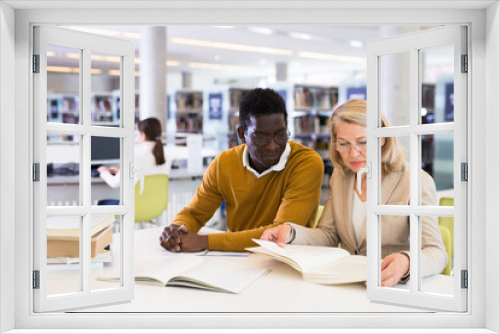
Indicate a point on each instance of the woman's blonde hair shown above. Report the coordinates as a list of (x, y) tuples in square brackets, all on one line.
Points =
[(354, 112)]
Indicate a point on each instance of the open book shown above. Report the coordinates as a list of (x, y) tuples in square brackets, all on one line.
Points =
[(194, 272), (322, 265)]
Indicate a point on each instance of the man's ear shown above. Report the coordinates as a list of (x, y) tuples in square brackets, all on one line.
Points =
[(241, 134)]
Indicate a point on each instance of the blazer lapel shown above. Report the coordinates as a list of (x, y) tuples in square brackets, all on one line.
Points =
[(388, 185)]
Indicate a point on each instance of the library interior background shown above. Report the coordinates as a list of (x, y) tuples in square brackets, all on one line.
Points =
[(192, 79)]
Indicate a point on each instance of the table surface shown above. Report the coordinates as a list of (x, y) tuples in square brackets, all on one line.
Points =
[(280, 290)]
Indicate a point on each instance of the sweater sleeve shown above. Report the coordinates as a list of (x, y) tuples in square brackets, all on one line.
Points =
[(299, 205), (204, 203)]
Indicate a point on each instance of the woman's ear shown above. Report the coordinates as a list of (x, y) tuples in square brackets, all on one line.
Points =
[(142, 136), (382, 142)]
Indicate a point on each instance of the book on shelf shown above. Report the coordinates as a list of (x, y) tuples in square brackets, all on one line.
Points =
[(69, 226), (318, 264), (193, 272), (70, 246)]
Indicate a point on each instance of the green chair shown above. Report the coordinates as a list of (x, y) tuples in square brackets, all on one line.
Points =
[(318, 215), (447, 221), (154, 199), (445, 234)]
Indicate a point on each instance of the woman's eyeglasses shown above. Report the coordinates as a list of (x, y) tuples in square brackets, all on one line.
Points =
[(345, 147)]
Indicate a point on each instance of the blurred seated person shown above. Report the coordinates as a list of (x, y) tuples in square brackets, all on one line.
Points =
[(265, 182), (344, 218), (149, 156)]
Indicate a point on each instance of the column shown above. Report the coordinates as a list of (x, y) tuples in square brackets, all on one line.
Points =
[(153, 74), (187, 80), (281, 72)]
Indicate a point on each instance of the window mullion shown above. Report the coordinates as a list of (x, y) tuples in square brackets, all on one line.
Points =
[(85, 181), (414, 108)]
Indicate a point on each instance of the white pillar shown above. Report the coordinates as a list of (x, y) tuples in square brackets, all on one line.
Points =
[(153, 74), (281, 72), (187, 80)]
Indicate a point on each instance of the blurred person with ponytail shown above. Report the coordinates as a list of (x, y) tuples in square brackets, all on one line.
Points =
[(149, 156)]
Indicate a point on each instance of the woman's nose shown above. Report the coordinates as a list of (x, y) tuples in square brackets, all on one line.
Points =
[(354, 152)]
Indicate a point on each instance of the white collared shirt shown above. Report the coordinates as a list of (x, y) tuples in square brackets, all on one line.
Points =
[(278, 167)]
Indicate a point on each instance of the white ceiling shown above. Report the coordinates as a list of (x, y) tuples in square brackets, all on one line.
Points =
[(326, 40)]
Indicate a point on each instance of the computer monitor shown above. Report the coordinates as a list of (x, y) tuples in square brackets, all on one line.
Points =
[(104, 150)]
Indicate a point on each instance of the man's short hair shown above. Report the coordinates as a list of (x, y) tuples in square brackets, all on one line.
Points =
[(261, 101)]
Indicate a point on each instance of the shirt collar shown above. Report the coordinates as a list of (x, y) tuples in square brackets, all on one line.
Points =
[(278, 167)]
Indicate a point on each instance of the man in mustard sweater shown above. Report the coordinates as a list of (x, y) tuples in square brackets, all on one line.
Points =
[(265, 182)]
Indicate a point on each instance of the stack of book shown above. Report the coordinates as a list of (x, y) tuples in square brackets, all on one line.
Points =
[(63, 236)]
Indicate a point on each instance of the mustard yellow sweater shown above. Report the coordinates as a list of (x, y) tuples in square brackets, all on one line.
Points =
[(255, 204)]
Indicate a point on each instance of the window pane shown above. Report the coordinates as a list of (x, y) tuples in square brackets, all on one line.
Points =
[(105, 251), (437, 84), (442, 284), (388, 159), (63, 170), (105, 94), (395, 238), (437, 161), (63, 85), (395, 87), (105, 155), (63, 254)]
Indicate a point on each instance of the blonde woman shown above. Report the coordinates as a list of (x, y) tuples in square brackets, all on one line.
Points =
[(344, 218)]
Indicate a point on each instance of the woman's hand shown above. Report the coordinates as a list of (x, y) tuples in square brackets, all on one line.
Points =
[(279, 234), (394, 267)]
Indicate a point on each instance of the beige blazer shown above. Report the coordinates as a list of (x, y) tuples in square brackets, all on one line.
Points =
[(335, 225)]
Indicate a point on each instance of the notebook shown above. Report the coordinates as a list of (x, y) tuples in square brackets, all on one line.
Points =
[(318, 264), (193, 272)]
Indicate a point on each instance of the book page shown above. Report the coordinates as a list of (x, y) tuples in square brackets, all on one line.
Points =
[(306, 257), (159, 269), (219, 276), (348, 269)]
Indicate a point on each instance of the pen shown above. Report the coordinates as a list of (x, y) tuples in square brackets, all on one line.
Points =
[(170, 236)]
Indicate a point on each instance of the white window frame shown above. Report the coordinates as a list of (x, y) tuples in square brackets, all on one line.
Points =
[(483, 102), (87, 43), (412, 44)]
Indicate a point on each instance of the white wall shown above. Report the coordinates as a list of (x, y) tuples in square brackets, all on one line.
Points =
[(7, 158), (492, 162)]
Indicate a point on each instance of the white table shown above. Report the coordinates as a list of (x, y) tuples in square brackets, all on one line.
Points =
[(281, 290)]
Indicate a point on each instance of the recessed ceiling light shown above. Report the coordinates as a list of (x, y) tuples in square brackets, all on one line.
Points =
[(355, 43), (208, 66), (329, 56), (261, 30), (299, 35), (230, 46)]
